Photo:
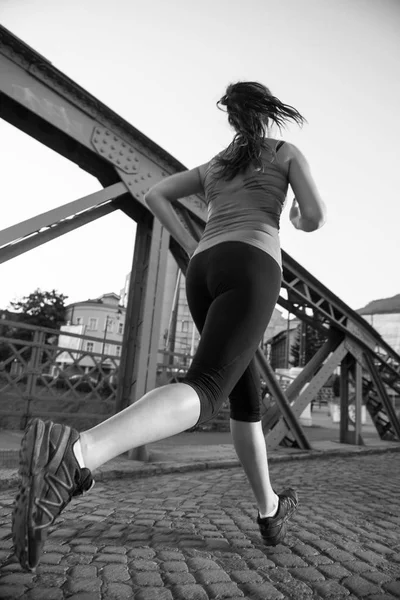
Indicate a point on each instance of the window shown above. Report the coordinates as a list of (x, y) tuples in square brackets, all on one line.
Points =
[(185, 325), (120, 328), (106, 349), (118, 350), (79, 320), (89, 346), (92, 323)]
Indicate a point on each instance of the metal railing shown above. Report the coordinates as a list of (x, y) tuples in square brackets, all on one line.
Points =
[(38, 376)]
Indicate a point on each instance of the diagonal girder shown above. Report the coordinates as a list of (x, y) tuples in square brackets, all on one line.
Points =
[(281, 429), (32, 233)]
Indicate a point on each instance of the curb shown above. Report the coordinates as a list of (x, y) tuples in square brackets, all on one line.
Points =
[(9, 477)]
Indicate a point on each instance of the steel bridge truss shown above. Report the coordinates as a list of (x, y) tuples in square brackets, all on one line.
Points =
[(41, 101)]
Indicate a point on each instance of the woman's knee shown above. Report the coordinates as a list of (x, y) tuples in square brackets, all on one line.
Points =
[(210, 394), (248, 416)]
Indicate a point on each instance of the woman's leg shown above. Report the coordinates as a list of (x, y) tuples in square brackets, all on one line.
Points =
[(248, 438), (160, 413)]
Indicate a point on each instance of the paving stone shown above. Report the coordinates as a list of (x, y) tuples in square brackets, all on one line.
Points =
[(358, 566), (393, 587), (147, 579), (85, 549), (11, 591), (304, 550), (40, 593), (83, 585), (360, 586), (112, 558), (85, 596), (334, 571), (57, 548), (114, 550), (377, 577), (197, 564), (179, 579), (369, 556), (117, 573), (295, 589), (189, 592), (166, 555), (260, 563), (224, 590), (51, 558), (319, 559), (17, 579), (382, 596), (53, 569), (379, 548), (331, 589), (322, 544), (154, 594), (307, 574), (279, 575), (209, 576), (50, 580), (83, 571), (257, 591), (339, 555), (246, 576), (117, 591), (174, 566), (288, 560)]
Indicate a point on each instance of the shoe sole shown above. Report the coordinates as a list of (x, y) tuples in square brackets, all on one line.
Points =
[(29, 539)]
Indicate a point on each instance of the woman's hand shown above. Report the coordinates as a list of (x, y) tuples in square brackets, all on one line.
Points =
[(191, 248), (295, 214)]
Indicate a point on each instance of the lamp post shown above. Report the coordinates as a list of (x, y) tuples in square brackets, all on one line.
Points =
[(105, 336)]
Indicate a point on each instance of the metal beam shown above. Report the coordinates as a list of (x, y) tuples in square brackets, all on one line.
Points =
[(272, 415), (49, 218), (282, 402), (41, 237), (143, 317), (369, 362), (275, 436)]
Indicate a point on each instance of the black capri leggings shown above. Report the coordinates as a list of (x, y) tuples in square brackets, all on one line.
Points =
[(231, 289)]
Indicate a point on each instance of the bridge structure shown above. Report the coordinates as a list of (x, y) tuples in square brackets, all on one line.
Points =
[(40, 100)]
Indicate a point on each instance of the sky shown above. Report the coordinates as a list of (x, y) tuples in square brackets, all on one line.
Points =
[(162, 66)]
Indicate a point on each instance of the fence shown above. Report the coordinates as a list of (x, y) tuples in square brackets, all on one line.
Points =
[(41, 377)]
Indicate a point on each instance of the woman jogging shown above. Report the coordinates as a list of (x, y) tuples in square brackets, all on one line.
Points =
[(232, 285)]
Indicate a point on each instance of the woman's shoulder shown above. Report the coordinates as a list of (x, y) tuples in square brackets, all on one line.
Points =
[(279, 152)]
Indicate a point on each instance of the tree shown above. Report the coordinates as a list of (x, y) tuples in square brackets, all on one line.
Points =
[(43, 309), (302, 351)]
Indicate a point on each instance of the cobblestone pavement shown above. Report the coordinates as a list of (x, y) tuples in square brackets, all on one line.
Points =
[(193, 536)]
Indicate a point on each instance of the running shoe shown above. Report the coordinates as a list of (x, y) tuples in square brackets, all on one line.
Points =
[(273, 529), (49, 477)]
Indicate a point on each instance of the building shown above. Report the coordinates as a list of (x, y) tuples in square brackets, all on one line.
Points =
[(101, 318), (280, 345), (384, 316)]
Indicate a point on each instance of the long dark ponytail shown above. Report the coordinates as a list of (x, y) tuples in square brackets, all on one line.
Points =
[(251, 108)]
